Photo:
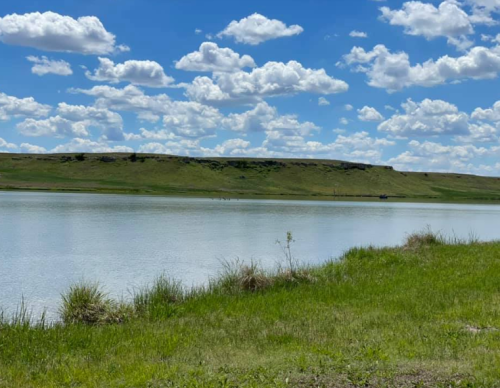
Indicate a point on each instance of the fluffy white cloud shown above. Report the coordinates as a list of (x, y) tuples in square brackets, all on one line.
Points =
[(111, 123), (74, 121), (191, 119), (131, 99), (144, 73), (482, 11), (21, 107), (430, 156), (348, 107), (256, 29), (210, 57), (266, 118), (322, 101), (56, 126), (427, 118), (359, 147), (368, 113), (43, 66), (86, 145), (358, 34), (490, 114), (480, 133), (50, 31), (424, 19), (183, 118), (5, 144), (32, 149), (272, 79), (392, 71)]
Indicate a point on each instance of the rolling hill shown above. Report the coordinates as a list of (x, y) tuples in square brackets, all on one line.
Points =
[(230, 177)]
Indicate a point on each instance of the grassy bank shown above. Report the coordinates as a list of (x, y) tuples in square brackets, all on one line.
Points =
[(230, 177), (423, 315)]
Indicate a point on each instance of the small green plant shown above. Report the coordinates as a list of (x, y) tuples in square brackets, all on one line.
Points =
[(286, 248)]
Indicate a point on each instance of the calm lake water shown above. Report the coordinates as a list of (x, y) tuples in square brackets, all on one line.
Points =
[(50, 241)]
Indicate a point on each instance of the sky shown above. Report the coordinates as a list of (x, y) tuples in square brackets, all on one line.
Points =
[(414, 85)]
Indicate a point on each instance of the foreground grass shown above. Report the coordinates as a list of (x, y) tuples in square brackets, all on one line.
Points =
[(236, 177), (424, 315)]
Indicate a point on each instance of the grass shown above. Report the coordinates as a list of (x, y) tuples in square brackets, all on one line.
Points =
[(230, 177), (426, 314)]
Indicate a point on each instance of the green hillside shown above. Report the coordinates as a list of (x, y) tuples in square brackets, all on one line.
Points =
[(172, 175)]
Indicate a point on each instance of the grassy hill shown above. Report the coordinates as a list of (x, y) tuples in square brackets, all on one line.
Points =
[(172, 175), (423, 315)]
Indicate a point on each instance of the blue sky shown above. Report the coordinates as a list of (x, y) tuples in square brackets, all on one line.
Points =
[(410, 84)]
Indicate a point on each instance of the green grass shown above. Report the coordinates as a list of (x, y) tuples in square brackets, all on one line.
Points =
[(251, 178), (423, 315)]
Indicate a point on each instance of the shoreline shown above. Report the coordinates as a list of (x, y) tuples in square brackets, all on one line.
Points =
[(404, 316), (257, 197)]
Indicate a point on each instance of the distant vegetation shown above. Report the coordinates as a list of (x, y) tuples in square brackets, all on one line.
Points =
[(232, 177), (425, 314)]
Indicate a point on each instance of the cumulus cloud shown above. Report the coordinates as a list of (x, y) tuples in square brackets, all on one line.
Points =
[(272, 79), (266, 118), (144, 73), (358, 34), (50, 31), (490, 114), (482, 11), (431, 156), (110, 122), (191, 119), (480, 133), (256, 29), (392, 71), (56, 126), (21, 107), (75, 121), (427, 118), (210, 57), (322, 101), (32, 148), (424, 19), (43, 66), (182, 118), (131, 99), (368, 113), (348, 107), (7, 145), (359, 147)]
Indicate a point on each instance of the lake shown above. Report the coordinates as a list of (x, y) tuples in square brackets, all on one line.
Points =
[(49, 241)]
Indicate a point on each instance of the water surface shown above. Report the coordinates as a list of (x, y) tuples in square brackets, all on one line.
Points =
[(49, 241)]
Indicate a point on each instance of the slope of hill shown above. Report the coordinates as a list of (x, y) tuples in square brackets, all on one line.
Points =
[(172, 175)]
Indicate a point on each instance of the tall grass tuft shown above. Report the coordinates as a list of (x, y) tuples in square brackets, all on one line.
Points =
[(424, 238), (23, 318), (86, 303), (237, 277), (160, 299)]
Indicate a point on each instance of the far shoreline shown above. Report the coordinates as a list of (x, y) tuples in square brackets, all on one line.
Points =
[(259, 197)]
